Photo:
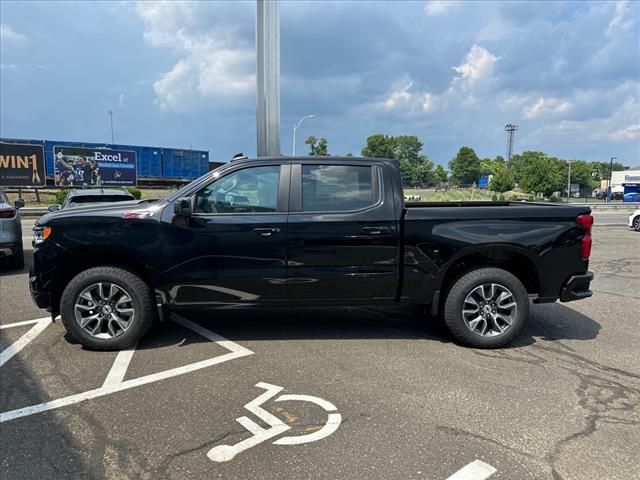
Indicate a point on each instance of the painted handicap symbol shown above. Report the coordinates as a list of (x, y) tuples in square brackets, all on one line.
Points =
[(224, 453)]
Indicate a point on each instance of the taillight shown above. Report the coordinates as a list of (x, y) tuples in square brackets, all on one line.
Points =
[(8, 213), (586, 222)]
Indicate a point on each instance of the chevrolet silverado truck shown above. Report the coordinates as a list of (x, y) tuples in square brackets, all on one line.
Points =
[(307, 231)]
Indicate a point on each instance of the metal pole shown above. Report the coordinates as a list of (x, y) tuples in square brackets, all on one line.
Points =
[(110, 112), (268, 77), (569, 183), (609, 192)]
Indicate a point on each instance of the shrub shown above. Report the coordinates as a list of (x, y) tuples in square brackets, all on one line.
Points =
[(514, 198), (553, 198), (530, 199), (494, 198), (61, 195), (501, 198), (135, 191)]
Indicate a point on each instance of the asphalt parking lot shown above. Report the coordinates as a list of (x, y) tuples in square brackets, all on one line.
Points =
[(331, 393)]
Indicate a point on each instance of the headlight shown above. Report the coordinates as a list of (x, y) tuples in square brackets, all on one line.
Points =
[(40, 234)]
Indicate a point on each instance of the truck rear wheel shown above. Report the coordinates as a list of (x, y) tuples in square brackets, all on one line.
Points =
[(486, 308), (107, 308)]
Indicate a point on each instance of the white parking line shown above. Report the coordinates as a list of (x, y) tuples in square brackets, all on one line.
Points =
[(20, 324), (119, 367), (476, 470), (15, 347), (235, 351)]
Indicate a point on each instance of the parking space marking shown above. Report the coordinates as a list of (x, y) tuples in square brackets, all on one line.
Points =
[(24, 340), (476, 470), (225, 453), (20, 324), (235, 351), (119, 367)]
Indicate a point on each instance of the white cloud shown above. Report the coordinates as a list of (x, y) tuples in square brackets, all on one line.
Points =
[(441, 7), (216, 65), (8, 66), (622, 19), (627, 133), (8, 34), (405, 99), (478, 64), (545, 107)]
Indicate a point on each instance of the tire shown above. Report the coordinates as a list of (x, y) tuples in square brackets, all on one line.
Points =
[(493, 329), (636, 223), (92, 287)]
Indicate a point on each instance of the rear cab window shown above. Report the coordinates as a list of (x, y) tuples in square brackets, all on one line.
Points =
[(338, 188)]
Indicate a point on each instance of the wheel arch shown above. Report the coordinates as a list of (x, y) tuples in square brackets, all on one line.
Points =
[(509, 259), (81, 261)]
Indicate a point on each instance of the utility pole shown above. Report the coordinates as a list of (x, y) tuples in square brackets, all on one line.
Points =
[(511, 131), (110, 112), (609, 192), (268, 77), (569, 183)]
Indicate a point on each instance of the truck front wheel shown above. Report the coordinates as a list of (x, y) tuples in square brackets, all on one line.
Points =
[(107, 308), (486, 308)]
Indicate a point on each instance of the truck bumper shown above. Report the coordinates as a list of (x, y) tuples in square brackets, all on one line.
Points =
[(577, 287)]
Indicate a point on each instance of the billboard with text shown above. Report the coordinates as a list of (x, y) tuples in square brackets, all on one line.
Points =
[(21, 165), (79, 166)]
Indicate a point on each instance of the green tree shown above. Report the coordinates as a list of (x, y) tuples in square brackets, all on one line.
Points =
[(465, 167), (379, 146), (541, 175), (440, 174), (415, 168), (317, 148), (502, 181)]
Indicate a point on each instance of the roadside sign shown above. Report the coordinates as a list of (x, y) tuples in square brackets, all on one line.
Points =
[(80, 166), (21, 165)]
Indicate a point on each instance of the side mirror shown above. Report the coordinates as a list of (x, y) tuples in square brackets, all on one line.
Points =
[(54, 208), (19, 203), (182, 207)]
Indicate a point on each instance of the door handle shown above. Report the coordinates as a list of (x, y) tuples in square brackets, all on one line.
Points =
[(266, 231), (376, 230)]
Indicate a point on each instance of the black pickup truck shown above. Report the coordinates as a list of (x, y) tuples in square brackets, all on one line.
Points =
[(307, 231)]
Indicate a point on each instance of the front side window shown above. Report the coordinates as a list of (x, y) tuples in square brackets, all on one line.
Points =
[(332, 188), (251, 190)]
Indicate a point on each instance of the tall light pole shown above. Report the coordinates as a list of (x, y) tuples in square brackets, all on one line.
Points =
[(110, 112), (268, 77), (295, 129), (609, 192), (569, 182)]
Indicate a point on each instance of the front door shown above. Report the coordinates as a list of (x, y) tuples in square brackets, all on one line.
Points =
[(342, 234), (232, 249)]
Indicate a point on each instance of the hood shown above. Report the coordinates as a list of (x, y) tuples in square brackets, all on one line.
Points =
[(113, 209)]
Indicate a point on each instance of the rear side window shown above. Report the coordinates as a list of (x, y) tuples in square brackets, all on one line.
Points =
[(334, 188)]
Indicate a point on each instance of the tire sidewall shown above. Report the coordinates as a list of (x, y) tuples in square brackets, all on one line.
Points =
[(636, 223), (140, 297), (464, 285)]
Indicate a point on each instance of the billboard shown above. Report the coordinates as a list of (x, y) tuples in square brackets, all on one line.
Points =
[(80, 166), (21, 165)]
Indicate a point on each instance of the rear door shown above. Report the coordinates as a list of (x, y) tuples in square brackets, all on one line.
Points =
[(342, 234)]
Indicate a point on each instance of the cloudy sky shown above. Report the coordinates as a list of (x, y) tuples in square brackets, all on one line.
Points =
[(452, 73)]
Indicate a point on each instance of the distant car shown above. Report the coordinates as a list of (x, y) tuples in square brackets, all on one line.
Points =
[(11, 253), (631, 197), (80, 198), (634, 220)]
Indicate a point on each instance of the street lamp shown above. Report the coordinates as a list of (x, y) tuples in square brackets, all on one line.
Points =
[(295, 128), (569, 182), (609, 192)]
